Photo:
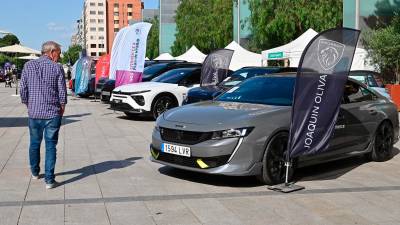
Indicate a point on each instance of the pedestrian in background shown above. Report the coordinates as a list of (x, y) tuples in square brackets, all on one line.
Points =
[(44, 92)]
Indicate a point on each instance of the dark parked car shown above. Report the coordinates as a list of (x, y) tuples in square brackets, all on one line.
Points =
[(149, 73), (209, 92), (245, 130)]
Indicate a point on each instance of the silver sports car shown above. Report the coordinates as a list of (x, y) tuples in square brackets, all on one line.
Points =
[(245, 130)]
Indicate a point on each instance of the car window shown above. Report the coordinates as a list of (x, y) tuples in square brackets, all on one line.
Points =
[(150, 70), (355, 93), (262, 90), (172, 76), (192, 79), (246, 73)]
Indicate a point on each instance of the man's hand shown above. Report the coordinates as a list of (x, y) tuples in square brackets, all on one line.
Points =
[(62, 110)]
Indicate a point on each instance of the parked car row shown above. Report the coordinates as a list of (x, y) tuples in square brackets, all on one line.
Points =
[(240, 127)]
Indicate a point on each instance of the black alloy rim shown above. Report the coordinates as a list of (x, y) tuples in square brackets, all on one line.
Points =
[(276, 158), (162, 105), (384, 139)]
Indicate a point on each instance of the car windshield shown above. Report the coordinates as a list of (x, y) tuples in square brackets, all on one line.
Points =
[(150, 70), (276, 90), (173, 76), (246, 73)]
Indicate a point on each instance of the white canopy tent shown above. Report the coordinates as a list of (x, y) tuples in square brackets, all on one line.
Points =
[(361, 61), (192, 55), (28, 57), (165, 56), (19, 49), (242, 57), (291, 50)]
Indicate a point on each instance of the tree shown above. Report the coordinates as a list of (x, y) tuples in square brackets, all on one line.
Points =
[(383, 47), (9, 39), (72, 54), (152, 50), (277, 22), (207, 24)]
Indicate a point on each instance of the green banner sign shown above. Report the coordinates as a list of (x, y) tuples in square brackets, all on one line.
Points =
[(275, 55)]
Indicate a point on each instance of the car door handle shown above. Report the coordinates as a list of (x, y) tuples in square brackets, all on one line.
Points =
[(373, 112)]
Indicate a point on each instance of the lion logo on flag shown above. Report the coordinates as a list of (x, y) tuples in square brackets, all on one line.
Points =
[(329, 53)]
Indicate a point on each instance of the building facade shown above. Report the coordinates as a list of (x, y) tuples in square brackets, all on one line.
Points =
[(149, 14), (167, 24), (372, 13), (121, 13), (95, 27)]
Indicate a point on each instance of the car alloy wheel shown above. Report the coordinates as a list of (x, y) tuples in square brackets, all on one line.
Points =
[(162, 104), (383, 142), (273, 171)]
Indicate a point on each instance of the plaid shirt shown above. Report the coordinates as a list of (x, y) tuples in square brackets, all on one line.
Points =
[(43, 88)]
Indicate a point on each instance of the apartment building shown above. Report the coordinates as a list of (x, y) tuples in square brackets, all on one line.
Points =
[(121, 13), (95, 27)]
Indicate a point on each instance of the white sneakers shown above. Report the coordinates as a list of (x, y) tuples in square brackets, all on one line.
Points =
[(35, 177), (48, 186)]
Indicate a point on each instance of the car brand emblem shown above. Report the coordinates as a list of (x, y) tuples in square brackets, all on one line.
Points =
[(329, 53), (180, 126)]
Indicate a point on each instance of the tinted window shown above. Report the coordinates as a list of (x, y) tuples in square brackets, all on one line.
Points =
[(192, 79), (262, 90), (355, 93), (150, 70), (173, 76), (246, 73)]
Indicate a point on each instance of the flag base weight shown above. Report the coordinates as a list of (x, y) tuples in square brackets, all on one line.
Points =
[(286, 187)]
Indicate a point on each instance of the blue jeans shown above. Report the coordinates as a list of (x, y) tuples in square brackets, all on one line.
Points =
[(50, 128)]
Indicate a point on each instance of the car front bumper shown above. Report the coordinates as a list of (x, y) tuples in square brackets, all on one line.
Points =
[(233, 156)]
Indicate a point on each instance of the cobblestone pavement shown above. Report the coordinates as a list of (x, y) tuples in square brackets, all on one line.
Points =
[(107, 178)]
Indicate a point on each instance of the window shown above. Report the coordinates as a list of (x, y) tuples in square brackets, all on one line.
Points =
[(93, 46), (92, 37), (101, 28), (116, 21), (116, 5), (130, 6), (93, 29), (101, 45), (116, 13), (92, 4), (129, 13), (100, 21), (92, 20), (93, 54), (355, 93), (116, 29), (101, 37), (101, 13), (92, 12), (100, 4)]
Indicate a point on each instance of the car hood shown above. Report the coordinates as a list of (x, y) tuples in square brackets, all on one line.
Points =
[(143, 86), (217, 113)]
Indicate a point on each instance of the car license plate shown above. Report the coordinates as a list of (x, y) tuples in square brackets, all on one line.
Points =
[(105, 93), (175, 149)]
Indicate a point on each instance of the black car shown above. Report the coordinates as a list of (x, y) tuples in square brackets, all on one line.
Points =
[(209, 92), (149, 73)]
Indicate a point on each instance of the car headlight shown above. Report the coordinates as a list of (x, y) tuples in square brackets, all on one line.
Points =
[(231, 133), (139, 99)]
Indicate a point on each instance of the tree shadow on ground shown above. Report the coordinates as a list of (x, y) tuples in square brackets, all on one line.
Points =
[(325, 171), (97, 169), (335, 169), (23, 121), (210, 179)]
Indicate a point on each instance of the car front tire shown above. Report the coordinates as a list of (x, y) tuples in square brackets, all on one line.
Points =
[(273, 169), (162, 104)]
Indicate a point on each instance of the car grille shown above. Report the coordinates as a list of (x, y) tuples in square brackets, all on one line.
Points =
[(184, 137), (191, 161), (121, 106)]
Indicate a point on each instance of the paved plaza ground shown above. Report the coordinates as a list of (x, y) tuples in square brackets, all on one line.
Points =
[(107, 178)]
